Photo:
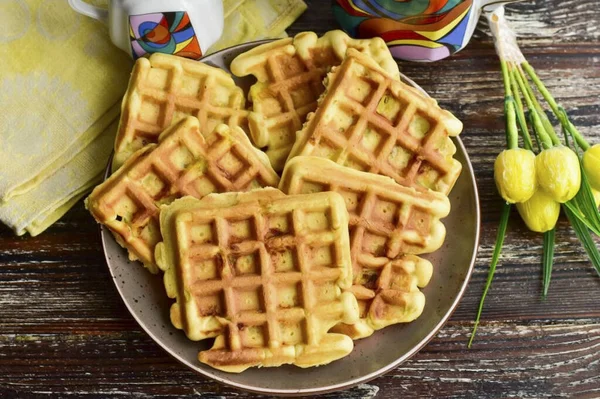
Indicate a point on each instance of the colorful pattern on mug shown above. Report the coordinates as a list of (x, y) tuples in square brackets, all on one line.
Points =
[(415, 30), (163, 32)]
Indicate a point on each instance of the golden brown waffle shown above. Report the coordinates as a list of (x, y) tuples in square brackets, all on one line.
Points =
[(390, 298), (183, 163), (290, 73), (386, 221), (164, 89), (263, 273), (370, 121)]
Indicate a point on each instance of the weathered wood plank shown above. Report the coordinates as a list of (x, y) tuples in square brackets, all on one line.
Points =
[(509, 360), (64, 331)]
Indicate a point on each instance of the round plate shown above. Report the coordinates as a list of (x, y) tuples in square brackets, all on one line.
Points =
[(144, 295)]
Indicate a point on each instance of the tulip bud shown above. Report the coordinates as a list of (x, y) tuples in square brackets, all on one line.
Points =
[(591, 165), (514, 172), (558, 173), (540, 213)]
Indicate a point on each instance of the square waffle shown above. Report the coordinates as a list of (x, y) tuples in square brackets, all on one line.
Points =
[(183, 163), (386, 221), (372, 122), (262, 272), (165, 88), (290, 76)]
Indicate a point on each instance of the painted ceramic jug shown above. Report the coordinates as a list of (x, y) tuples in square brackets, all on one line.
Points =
[(415, 30), (181, 27)]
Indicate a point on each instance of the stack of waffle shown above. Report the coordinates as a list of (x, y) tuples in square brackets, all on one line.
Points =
[(290, 270)]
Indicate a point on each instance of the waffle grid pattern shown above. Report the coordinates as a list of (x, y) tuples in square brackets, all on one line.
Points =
[(274, 275), (290, 73), (386, 221), (165, 89), (184, 163), (372, 123), (281, 105)]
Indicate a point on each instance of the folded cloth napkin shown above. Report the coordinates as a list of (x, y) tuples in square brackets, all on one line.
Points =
[(36, 210), (61, 84), (248, 20)]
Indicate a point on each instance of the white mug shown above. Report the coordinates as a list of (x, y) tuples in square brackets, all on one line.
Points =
[(181, 27)]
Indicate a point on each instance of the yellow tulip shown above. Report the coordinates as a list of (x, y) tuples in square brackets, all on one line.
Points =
[(558, 173), (596, 197), (591, 165), (540, 213), (514, 172)]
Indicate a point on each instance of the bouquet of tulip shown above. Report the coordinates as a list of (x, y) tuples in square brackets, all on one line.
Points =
[(542, 177)]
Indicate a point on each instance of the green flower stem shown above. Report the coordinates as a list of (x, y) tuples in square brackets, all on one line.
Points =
[(567, 125), (512, 137), (538, 108), (536, 121), (506, 77), (512, 132), (541, 87), (566, 133), (547, 125), (581, 141), (521, 115), (538, 128), (570, 128)]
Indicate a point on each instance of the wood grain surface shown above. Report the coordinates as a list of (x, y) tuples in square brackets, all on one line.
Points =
[(64, 331)]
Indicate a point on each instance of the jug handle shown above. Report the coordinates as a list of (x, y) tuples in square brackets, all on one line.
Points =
[(89, 10)]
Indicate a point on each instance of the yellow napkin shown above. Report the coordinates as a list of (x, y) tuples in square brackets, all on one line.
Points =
[(61, 84), (248, 20), (53, 197)]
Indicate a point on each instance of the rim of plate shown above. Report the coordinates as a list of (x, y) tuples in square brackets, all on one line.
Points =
[(352, 382)]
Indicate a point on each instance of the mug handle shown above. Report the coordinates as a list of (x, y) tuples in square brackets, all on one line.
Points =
[(89, 10)]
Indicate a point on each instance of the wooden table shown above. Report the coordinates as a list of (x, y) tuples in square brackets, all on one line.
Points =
[(64, 331)]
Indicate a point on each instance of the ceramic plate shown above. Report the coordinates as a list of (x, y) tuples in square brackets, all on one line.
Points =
[(144, 295)]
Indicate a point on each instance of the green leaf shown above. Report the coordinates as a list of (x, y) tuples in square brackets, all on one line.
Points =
[(495, 257), (549, 238), (587, 203), (574, 207), (584, 201), (585, 195), (586, 239)]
